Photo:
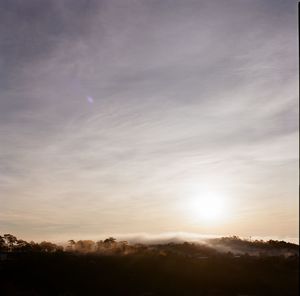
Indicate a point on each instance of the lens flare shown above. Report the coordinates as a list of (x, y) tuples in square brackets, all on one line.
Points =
[(90, 99)]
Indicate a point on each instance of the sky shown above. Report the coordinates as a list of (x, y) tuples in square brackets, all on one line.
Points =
[(146, 116)]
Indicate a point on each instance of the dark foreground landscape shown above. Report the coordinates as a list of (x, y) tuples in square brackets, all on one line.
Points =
[(223, 266)]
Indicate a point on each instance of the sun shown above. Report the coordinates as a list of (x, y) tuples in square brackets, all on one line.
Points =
[(207, 207)]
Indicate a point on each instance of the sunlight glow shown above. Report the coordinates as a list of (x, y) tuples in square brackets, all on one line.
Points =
[(207, 207)]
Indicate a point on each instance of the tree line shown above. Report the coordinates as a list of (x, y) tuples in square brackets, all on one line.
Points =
[(225, 245), (10, 243)]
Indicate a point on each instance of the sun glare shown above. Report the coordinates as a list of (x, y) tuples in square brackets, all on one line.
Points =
[(207, 207)]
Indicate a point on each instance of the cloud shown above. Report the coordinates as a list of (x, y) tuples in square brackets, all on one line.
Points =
[(182, 93)]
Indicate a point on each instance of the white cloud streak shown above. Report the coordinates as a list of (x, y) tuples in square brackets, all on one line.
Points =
[(184, 93)]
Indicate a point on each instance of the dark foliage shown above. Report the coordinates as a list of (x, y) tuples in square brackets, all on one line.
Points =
[(170, 269)]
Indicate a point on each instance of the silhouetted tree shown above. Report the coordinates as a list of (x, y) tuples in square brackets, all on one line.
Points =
[(85, 245), (2, 244), (99, 245), (110, 242), (22, 246), (10, 241), (48, 247), (71, 245)]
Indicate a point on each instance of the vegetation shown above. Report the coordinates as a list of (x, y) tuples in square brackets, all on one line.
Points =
[(110, 267)]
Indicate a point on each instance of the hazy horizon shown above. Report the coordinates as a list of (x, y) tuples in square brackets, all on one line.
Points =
[(154, 117), (152, 238)]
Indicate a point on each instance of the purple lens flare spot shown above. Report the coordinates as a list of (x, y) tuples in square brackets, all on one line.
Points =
[(90, 99)]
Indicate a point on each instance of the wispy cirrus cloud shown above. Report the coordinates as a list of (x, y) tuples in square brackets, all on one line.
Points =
[(193, 93)]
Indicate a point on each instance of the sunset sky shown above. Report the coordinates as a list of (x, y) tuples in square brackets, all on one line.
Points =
[(122, 117)]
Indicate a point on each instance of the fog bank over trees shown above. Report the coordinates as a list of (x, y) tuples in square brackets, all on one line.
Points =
[(109, 246)]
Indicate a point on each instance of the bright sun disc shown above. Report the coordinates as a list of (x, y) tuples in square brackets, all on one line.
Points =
[(207, 208)]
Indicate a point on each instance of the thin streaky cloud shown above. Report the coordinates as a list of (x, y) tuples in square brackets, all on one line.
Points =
[(111, 111)]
